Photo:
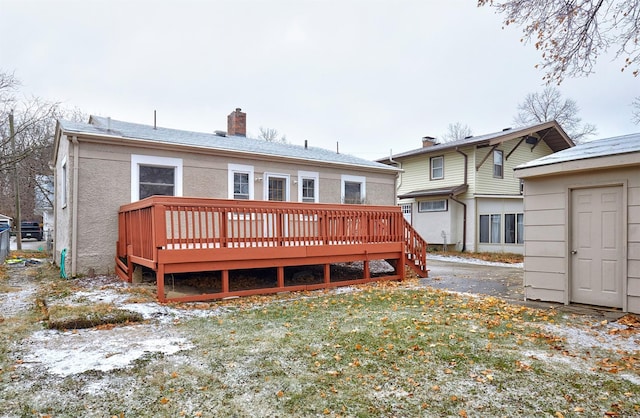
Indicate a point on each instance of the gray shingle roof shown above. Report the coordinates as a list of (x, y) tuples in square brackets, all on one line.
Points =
[(109, 127), (599, 148)]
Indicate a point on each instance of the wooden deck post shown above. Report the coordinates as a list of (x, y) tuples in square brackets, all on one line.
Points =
[(281, 276), (160, 283), (225, 281), (327, 273)]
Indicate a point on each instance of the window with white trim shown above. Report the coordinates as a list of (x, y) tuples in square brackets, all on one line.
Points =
[(151, 175), (432, 206), (308, 183), (353, 189), (276, 187), (514, 228), (498, 164), (490, 228), (437, 167), (240, 181)]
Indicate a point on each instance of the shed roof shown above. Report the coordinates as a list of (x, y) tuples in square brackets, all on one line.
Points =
[(550, 132), (107, 127), (618, 145)]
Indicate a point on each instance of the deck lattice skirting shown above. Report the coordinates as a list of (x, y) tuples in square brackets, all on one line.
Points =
[(187, 235)]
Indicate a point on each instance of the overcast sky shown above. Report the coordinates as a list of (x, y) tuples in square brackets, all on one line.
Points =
[(373, 76)]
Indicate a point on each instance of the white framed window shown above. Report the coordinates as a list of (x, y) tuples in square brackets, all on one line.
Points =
[(240, 181), (353, 189), (433, 205), (406, 211), (276, 187), (151, 175), (490, 228), (308, 186), (63, 184), (514, 228), (437, 167), (498, 164)]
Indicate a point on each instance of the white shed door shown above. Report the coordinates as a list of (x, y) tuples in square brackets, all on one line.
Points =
[(596, 252)]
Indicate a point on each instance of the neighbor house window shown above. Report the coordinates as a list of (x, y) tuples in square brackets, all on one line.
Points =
[(353, 189), (308, 187), (240, 181), (63, 185), (437, 168), (155, 176), (432, 206), (276, 187), (513, 228), (490, 228), (498, 169)]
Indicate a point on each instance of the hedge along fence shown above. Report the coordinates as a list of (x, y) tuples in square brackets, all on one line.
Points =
[(4, 244)]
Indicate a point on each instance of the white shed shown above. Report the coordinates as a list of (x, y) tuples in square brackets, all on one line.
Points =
[(582, 224)]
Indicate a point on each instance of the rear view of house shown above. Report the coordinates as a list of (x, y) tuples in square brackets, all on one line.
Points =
[(104, 164)]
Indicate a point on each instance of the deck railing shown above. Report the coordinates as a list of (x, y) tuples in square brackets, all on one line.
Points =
[(170, 224)]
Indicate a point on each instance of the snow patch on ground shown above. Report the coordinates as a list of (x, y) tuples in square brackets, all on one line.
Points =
[(465, 260), (597, 337), (74, 352)]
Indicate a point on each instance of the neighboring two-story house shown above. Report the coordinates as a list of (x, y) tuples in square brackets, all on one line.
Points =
[(463, 194), (105, 163)]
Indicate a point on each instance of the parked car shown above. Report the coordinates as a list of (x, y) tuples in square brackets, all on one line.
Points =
[(31, 230), (4, 225)]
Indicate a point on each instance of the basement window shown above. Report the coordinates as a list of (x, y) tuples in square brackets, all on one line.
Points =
[(433, 206)]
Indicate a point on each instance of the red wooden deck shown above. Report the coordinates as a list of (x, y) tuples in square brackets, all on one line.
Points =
[(186, 235)]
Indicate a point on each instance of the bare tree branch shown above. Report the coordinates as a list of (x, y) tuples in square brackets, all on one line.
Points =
[(549, 105), (572, 34), (271, 135), (456, 131)]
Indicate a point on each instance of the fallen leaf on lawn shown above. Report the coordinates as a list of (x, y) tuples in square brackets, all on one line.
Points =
[(164, 400), (578, 409), (559, 414), (280, 394)]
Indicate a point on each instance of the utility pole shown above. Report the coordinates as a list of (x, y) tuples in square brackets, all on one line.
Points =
[(16, 183)]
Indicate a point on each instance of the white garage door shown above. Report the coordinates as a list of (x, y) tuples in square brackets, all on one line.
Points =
[(596, 256)]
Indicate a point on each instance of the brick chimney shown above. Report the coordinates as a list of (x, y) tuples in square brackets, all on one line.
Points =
[(428, 141), (237, 123)]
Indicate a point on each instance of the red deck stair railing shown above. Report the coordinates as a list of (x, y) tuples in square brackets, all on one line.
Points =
[(178, 234)]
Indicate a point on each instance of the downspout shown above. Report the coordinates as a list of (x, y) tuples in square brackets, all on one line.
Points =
[(74, 216), (399, 165), (464, 205)]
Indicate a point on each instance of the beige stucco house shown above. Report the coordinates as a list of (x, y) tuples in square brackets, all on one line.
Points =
[(464, 194), (105, 163), (582, 224)]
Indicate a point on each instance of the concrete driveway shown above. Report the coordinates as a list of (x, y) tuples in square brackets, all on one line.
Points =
[(485, 279)]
